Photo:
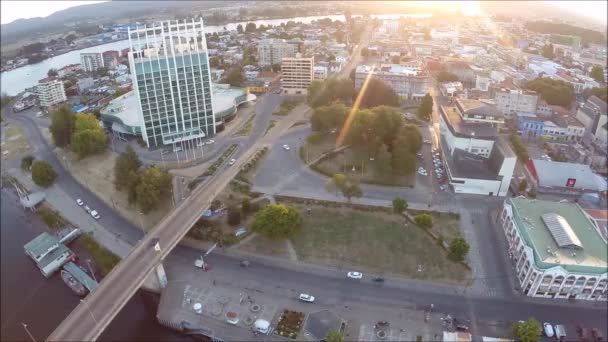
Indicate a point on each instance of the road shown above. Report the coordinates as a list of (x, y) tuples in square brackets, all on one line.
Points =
[(124, 280)]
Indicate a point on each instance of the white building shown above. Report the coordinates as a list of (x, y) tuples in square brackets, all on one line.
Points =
[(556, 249), (91, 61), (320, 72), (272, 51), (408, 80), (50, 92), (450, 89), (84, 84), (482, 82), (297, 74), (511, 101)]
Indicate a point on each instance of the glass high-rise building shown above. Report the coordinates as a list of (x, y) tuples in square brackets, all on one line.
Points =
[(172, 80)]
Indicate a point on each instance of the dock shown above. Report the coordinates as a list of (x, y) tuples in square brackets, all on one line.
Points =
[(81, 276)]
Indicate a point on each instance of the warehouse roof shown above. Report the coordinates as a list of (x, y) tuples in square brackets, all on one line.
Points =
[(552, 174)]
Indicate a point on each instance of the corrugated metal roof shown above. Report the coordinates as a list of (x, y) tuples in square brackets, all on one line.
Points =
[(41, 245), (561, 231)]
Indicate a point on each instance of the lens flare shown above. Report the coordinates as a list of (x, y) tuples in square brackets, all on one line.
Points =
[(351, 115)]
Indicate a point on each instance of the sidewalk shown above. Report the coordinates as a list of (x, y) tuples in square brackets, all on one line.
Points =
[(68, 208)]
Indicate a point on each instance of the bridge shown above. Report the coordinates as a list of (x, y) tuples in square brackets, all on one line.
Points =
[(88, 320)]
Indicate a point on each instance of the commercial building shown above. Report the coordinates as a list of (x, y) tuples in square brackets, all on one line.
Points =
[(563, 178), (48, 253), (91, 61), (297, 74), (272, 51), (409, 81), (476, 160), (563, 128), (593, 115), (110, 58), (556, 249), (511, 101), (172, 82), (50, 92)]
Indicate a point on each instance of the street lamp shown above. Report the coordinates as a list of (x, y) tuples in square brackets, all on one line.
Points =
[(89, 309), (28, 332)]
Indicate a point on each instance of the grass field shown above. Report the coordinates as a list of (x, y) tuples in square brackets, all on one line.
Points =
[(370, 242), (104, 259)]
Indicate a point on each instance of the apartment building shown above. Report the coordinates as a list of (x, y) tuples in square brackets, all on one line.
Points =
[(172, 82), (50, 92), (409, 81), (272, 51), (297, 74), (556, 249), (511, 101), (110, 58), (91, 61)]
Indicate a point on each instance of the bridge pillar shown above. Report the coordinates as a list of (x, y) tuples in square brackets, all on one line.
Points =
[(157, 280)]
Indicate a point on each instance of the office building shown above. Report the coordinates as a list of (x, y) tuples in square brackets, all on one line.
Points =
[(557, 250), (511, 101), (409, 81), (272, 51), (91, 61), (110, 58), (50, 92), (172, 81), (297, 74)]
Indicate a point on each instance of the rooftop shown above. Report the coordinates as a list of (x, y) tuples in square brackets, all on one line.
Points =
[(481, 130), (410, 69), (41, 245), (476, 107), (591, 258), (559, 174)]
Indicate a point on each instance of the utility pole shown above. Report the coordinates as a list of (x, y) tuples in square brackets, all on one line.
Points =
[(28, 332), (91, 269)]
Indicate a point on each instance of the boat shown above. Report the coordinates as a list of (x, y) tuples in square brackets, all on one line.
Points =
[(72, 283)]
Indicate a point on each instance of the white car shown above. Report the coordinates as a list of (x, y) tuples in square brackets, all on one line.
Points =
[(209, 142), (355, 275), (548, 329), (286, 147), (306, 298), (80, 202), (87, 208), (95, 214), (232, 161)]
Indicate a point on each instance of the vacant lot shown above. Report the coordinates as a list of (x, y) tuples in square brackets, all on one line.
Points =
[(372, 242), (14, 143), (445, 225)]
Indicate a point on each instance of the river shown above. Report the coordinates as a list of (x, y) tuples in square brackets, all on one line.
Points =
[(15, 81), (27, 297)]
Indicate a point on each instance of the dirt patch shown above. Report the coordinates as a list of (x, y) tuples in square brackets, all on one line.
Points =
[(97, 174), (14, 142)]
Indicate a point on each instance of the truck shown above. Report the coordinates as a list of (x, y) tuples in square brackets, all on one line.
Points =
[(560, 332)]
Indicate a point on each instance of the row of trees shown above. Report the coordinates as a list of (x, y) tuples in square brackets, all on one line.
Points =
[(144, 186), (519, 148), (82, 132), (445, 76), (555, 92), (426, 108)]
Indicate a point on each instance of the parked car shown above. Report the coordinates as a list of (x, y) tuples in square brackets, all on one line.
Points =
[(548, 329), (378, 279), (306, 298), (209, 142), (87, 208), (232, 161), (80, 202), (355, 275), (286, 147), (95, 214)]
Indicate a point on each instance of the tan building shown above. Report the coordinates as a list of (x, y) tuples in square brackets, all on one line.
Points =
[(297, 74), (50, 92)]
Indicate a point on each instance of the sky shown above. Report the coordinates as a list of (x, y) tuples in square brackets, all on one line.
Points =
[(12, 10)]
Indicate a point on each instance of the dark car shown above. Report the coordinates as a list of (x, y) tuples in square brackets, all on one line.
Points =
[(154, 241), (378, 279)]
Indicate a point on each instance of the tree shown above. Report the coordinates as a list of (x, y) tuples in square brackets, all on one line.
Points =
[(597, 73), (314, 90), (427, 34), (235, 77), (601, 93), (153, 184), (426, 107), (445, 76), (101, 72), (234, 216), (352, 189), (336, 183), (43, 173), (403, 161), (334, 336), (327, 118), (5, 99), (88, 137), (424, 220), (396, 59), (250, 27), (458, 250), (246, 205), (399, 205), (384, 164), (349, 186), (520, 149), (70, 38), (277, 221), (555, 92), (378, 93), (239, 28), (523, 185), (527, 331), (276, 67), (126, 163), (52, 72), (62, 123), (547, 51)]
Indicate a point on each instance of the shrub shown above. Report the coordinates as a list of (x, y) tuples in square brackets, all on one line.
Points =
[(26, 162), (246, 205), (43, 173), (424, 220), (399, 205), (459, 248)]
